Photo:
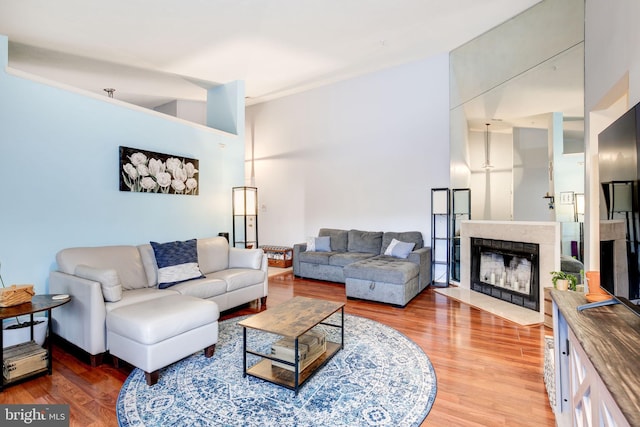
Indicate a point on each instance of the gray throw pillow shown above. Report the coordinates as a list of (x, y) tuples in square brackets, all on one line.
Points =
[(402, 249), (399, 249), (323, 244)]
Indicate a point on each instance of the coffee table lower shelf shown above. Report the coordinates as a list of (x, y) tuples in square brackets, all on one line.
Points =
[(286, 378)]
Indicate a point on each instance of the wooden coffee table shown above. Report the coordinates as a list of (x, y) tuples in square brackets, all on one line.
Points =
[(291, 319)]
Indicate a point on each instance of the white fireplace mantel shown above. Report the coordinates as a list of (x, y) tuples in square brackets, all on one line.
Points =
[(545, 233)]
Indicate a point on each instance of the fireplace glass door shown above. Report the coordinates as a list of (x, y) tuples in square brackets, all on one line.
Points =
[(506, 271)]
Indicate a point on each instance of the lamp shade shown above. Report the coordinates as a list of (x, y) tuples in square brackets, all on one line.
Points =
[(245, 216), (245, 201)]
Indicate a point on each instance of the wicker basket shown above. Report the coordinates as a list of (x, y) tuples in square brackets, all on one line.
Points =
[(16, 294)]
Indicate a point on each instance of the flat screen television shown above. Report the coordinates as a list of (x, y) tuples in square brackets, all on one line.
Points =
[(618, 154)]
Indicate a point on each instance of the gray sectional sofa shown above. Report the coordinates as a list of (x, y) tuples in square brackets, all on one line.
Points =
[(373, 265)]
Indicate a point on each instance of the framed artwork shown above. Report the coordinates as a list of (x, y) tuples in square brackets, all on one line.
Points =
[(150, 172)]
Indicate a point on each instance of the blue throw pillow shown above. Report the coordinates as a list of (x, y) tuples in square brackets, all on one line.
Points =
[(177, 262), (323, 244)]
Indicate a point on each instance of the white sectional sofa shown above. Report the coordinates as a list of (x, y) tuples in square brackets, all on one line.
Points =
[(108, 284)]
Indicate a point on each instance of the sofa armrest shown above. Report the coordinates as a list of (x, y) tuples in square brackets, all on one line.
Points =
[(422, 257), (251, 258), (264, 266), (245, 258), (82, 321), (297, 248)]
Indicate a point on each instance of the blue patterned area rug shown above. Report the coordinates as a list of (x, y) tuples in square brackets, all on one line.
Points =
[(380, 378)]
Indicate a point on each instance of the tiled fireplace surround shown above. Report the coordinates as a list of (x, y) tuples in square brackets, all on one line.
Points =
[(545, 234)]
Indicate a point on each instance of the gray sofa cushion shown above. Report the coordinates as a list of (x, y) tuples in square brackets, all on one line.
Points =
[(570, 265), (345, 258), (382, 268), (407, 236), (364, 241), (315, 257), (338, 238)]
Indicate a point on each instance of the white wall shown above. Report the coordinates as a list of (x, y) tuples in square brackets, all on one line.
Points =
[(531, 175), (491, 189), (514, 47), (362, 153), (459, 149), (193, 111)]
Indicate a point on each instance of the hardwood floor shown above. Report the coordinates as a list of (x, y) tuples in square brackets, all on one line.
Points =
[(489, 370)]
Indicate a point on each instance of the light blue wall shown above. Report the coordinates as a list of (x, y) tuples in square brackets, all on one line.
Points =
[(225, 110), (59, 175)]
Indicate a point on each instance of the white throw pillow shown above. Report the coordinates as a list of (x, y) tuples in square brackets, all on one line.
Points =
[(311, 244), (392, 245), (399, 249), (107, 277)]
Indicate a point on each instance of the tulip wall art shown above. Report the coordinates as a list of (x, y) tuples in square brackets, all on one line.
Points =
[(150, 172)]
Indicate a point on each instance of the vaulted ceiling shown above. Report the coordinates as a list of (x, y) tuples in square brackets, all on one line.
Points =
[(153, 52)]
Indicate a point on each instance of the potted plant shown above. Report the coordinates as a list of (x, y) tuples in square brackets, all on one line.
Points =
[(564, 281)]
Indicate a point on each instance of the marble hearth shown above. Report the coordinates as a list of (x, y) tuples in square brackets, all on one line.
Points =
[(545, 234)]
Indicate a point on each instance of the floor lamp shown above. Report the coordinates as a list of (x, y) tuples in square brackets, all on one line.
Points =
[(245, 216)]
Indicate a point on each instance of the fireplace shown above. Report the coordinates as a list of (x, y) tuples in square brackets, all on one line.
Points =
[(545, 234), (506, 270)]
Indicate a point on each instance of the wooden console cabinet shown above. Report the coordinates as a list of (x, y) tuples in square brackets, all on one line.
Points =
[(597, 352)]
